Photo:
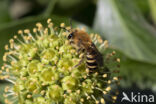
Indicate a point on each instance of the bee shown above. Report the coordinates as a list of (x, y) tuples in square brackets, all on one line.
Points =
[(83, 43)]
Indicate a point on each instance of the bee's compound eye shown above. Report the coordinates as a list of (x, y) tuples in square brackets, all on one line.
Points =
[(70, 35)]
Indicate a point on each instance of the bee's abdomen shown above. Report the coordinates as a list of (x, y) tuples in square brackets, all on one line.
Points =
[(91, 62)]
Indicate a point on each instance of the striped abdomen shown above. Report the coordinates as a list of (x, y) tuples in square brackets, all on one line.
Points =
[(91, 62), (94, 59)]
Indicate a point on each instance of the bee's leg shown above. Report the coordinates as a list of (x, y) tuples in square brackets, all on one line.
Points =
[(80, 62), (82, 56), (80, 50)]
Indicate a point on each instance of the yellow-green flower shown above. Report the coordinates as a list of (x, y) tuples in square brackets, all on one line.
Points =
[(40, 66)]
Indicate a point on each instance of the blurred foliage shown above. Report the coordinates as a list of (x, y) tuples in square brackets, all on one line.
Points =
[(4, 12), (127, 24), (2, 86), (143, 6), (125, 28), (152, 6), (122, 24)]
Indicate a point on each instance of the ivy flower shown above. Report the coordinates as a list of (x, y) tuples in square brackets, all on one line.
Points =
[(39, 66)]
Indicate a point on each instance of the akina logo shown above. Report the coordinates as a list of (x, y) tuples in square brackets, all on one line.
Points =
[(137, 98)]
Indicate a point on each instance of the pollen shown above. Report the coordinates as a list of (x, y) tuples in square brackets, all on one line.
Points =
[(49, 21), (102, 101), (115, 78), (87, 70), (118, 60), (82, 100), (109, 81), (108, 88), (62, 25), (100, 40), (114, 97), (27, 31), (106, 43), (6, 101), (39, 26), (97, 102), (11, 41), (104, 92), (43, 92), (20, 32), (68, 28), (50, 25), (78, 91), (113, 52), (104, 75), (64, 34), (29, 96), (2, 67), (88, 97), (6, 89), (34, 30), (6, 47)]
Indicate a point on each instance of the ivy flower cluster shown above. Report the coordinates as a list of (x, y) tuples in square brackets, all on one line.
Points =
[(39, 66)]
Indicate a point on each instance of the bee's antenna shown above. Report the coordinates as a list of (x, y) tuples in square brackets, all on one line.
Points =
[(70, 22), (64, 28)]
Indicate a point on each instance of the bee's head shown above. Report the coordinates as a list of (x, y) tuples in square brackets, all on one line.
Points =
[(71, 35)]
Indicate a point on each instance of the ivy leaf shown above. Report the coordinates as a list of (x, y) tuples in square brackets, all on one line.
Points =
[(143, 6), (140, 73), (123, 25)]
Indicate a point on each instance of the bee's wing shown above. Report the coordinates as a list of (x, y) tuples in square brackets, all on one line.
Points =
[(99, 57)]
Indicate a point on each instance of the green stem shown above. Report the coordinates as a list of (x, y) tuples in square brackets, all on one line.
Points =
[(50, 8)]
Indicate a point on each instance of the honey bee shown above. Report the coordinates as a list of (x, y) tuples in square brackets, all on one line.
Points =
[(83, 43)]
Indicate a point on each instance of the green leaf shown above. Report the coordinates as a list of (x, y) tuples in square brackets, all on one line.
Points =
[(140, 73), (123, 25), (143, 5), (152, 6)]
